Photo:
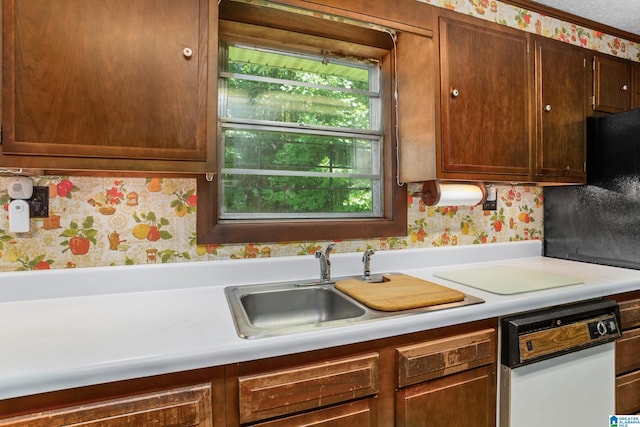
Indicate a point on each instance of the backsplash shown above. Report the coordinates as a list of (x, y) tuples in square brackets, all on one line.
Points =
[(125, 221)]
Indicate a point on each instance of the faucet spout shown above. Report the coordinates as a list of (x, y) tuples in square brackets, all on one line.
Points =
[(325, 263)]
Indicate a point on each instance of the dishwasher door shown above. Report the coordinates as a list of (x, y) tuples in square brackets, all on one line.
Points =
[(575, 389), (558, 366)]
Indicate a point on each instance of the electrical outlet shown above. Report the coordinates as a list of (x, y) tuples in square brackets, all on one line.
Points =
[(491, 201), (39, 202)]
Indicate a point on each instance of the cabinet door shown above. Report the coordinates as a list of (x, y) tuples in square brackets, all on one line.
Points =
[(635, 101), (108, 84), (464, 399), (611, 84), (485, 80), (188, 407), (561, 97)]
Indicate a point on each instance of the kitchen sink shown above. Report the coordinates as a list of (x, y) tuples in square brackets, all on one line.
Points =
[(284, 308), (287, 308)]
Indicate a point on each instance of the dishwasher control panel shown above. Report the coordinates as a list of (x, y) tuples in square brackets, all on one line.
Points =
[(551, 332)]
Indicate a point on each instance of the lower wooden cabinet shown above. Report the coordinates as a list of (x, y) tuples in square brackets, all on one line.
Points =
[(449, 381), (443, 376), (186, 406), (628, 356), (464, 399)]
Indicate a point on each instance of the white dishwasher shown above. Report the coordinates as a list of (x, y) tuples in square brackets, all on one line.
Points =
[(558, 366)]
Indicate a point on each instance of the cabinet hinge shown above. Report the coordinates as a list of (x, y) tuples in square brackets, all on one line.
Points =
[(0, 134), (584, 167)]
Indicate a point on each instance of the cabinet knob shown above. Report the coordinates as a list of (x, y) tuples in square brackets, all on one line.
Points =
[(187, 53), (547, 107), (625, 87), (455, 92)]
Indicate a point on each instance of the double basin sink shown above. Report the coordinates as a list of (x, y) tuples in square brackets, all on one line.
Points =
[(292, 307)]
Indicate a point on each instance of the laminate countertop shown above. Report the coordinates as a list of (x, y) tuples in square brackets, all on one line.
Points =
[(76, 327)]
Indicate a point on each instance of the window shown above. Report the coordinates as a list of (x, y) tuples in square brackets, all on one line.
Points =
[(305, 148), (300, 135)]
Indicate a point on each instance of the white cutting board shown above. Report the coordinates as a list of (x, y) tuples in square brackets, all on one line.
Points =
[(507, 280)]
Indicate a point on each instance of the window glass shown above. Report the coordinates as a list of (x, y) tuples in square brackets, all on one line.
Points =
[(300, 135)]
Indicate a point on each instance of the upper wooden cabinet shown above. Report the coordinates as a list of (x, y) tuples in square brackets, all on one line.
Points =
[(561, 110), (485, 103), (108, 84), (635, 100), (611, 84)]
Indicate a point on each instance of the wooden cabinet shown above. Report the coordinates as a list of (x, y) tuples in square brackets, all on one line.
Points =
[(628, 357), (635, 99), (450, 381), (424, 378), (486, 114), (561, 99), (465, 399), (186, 406), (108, 84), (611, 84), (306, 387)]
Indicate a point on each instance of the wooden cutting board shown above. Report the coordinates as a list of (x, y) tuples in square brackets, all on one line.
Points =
[(398, 292)]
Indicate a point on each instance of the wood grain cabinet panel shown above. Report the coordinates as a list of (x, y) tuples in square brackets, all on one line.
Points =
[(425, 361), (611, 84), (629, 314), (628, 356), (106, 84), (360, 413), (307, 387), (628, 352), (485, 83), (635, 100), (561, 98), (628, 394), (182, 407), (464, 399)]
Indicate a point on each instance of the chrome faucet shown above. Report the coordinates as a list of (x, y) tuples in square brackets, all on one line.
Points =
[(366, 260), (325, 264)]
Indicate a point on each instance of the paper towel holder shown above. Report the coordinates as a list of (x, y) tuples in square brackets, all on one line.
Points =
[(430, 192)]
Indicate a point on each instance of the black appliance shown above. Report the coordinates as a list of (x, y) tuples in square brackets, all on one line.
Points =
[(600, 222)]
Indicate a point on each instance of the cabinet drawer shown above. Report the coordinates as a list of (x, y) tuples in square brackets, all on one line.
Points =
[(360, 413), (630, 314), (628, 352), (433, 359), (187, 407), (628, 394), (307, 387)]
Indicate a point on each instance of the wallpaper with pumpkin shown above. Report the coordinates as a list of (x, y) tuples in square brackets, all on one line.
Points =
[(124, 221)]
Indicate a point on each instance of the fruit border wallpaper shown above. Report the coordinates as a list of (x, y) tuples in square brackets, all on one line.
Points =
[(125, 221)]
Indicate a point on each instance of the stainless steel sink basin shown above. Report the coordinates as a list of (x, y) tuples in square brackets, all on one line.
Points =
[(285, 308), (296, 307)]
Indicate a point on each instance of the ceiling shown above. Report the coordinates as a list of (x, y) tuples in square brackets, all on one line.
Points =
[(621, 14)]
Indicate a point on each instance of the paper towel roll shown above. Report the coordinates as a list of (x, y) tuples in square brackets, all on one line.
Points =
[(451, 194)]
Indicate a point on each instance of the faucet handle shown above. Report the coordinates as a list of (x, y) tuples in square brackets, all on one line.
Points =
[(366, 260)]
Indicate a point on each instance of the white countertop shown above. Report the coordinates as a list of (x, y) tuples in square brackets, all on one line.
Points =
[(69, 328)]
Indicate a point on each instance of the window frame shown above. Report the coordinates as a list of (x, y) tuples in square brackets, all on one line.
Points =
[(258, 22)]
